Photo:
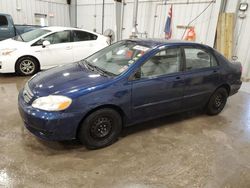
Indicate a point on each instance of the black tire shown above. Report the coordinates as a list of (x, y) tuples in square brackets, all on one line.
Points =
[(217, 101), (100, 129), (27, 66)]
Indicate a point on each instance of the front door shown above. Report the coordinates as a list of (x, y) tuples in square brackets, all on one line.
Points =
[(59, 51), (159, 89)]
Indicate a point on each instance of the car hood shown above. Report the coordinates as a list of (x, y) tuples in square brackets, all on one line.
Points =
[(10, 43), (67, 79)]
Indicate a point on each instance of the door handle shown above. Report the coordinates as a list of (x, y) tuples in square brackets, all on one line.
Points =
[(177, 77), (215, 71), (68, 47)]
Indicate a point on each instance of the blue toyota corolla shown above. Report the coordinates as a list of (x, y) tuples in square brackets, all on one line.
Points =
[(128, 82)]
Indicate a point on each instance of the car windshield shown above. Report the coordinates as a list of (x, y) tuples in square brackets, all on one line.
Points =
[(31, 35), (116, 58)]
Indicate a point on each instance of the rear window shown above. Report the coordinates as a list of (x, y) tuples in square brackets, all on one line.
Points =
[(197, 58), (83, 36), (3, 21)]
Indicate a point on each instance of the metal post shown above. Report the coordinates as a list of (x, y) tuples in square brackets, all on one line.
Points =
[(103, 3), (122, 19), (73, 13), (134, 30)]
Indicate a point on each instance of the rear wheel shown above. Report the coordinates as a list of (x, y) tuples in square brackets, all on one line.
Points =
[(217, 101), (100, 129), (27, 66)]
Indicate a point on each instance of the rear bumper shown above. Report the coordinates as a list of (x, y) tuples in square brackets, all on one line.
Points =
[(235, 87), (54, 126)]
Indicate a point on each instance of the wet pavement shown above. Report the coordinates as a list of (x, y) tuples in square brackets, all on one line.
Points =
[(184, 150)]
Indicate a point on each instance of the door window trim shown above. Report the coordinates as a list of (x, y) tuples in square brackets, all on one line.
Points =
[(4, 21), (71, 38), (199, 48), (131, 77)]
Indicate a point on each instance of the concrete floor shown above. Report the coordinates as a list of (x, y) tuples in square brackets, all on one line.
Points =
[(185, 150)]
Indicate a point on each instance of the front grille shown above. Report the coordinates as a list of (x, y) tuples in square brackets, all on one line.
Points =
[(27, 94)]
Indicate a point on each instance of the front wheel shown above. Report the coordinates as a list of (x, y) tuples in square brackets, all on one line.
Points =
[(217, 101), (27, 66), (100, 129)]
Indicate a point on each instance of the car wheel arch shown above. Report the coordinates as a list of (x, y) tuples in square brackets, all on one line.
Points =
[(226, 86), (31, 56), (111, 106)]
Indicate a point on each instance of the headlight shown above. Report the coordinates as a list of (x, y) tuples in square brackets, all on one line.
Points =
[(7, 51), (52, 103)]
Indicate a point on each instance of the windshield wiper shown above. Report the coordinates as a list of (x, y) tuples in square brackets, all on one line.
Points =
[(88, 65), (105, 72), (98, 69)]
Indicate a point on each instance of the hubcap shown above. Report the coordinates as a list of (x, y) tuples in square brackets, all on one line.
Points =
[(218, 101), (101, 127), (27, 66)]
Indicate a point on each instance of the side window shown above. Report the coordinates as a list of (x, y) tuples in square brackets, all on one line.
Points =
[(198, 58), (3, 21), (59, 37), (79, 36), (164, 62), (38, 43)]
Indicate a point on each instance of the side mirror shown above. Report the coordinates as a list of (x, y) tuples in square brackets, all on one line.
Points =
[(137, 75), (46, 43)]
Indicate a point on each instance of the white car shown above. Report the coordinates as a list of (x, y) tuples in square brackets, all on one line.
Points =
[(47, 47)]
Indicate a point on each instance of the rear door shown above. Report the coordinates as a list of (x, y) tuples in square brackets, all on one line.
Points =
[(202, 76), (159, 90), (59, 52), (84, 44)]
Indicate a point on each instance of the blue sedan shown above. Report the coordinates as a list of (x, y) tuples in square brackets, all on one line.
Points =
[(126, 83)]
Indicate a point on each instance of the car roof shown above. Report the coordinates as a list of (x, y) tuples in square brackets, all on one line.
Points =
[(160, 42), (3, 14), (60, 28)]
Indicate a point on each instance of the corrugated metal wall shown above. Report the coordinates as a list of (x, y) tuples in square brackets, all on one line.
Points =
[(23, 11), (89, 14), (152, 17), (242, 40)]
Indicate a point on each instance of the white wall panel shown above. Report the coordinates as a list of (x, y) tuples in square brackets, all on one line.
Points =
[(89, 15), (23, 11), (241, 35), (152, 17), (182, 14)]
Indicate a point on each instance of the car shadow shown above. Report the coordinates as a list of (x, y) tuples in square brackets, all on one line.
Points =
[(168, 120), (151, 124), (14, 80), (8, 75)]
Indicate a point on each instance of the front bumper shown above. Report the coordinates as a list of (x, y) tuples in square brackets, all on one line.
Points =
[(54, 126), (7, 64)]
